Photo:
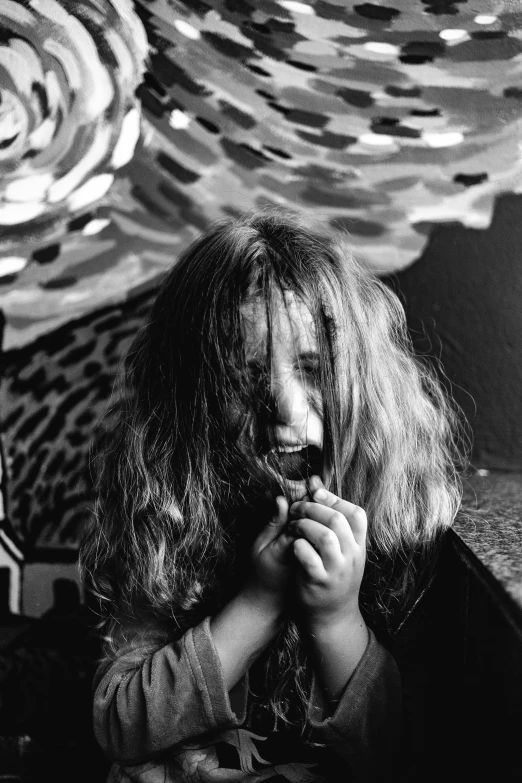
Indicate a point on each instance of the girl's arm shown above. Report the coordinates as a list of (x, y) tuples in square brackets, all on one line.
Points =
[(331, 551), (338, 646), (247, 624), (356, 709), (158, 695), (366, 726)]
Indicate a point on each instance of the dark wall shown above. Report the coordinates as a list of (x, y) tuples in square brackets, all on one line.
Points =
[(459, 654), (463, 299)]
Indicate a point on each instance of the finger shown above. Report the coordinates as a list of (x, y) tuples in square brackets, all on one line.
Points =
[(284, 535), (280, 517), (314, 484), (323, 539), (330, 518), (359, 524), (355, 515), (275, 526), (309, 560)]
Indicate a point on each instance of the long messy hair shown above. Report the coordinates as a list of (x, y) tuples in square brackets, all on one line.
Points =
[(181, 494)]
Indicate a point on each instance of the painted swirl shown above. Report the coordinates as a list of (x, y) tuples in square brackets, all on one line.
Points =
[(68, 116), (384, 119)]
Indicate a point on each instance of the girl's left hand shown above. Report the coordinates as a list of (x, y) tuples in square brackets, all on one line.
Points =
[(330, 547)]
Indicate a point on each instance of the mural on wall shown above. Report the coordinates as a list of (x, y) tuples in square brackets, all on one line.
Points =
[(125, 128)]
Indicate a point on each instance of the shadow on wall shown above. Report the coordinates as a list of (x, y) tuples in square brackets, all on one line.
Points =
[(65, 599), (463, 302)]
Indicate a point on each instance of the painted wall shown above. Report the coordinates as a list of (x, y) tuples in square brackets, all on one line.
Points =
[(125, 127), (383, 119), (52, 394)]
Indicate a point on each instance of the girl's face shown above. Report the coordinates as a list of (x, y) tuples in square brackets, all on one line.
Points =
[(294, 424)]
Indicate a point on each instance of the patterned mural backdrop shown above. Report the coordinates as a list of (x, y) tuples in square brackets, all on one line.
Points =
[(125, 128)]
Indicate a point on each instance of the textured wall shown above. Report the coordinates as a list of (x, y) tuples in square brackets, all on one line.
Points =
[(126, 127), (52, 394), (383, 118)]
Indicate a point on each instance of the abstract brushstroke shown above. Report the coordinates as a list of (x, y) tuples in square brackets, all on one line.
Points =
[(68, 115), (384, 119), (51, 395)]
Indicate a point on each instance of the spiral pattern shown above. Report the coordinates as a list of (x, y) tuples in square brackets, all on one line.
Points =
[(383, 118), (68, 116)]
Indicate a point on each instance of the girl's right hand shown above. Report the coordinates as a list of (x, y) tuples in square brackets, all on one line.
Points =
[(272, 560)]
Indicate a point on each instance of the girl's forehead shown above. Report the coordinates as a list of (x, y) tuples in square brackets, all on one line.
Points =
[(290, 321)]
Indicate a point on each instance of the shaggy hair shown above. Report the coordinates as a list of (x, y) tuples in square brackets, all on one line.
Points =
[(181, 488)]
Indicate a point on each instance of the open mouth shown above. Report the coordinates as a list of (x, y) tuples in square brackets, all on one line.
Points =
[(296, 463)]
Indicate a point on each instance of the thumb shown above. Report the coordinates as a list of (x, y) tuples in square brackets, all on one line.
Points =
[(275, 526), (315, 483), (280, 517)]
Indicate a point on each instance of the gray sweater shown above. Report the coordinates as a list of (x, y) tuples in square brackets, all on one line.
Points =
[(164, 716)]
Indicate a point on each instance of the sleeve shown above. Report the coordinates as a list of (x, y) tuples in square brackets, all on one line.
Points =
[(366, 727), (170, 696)]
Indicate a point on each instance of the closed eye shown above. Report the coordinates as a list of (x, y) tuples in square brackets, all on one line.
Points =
[(309, 364)]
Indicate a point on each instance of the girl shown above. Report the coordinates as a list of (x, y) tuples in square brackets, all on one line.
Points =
[(278, 467)]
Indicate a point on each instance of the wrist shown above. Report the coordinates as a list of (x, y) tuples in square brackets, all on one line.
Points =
[(328, 623), (269, 604), (338, 644), (241, 630)]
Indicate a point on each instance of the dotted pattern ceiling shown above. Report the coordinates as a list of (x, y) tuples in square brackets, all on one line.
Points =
[(384, 119)]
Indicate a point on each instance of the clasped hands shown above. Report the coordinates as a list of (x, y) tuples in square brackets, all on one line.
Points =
[(315, 550)]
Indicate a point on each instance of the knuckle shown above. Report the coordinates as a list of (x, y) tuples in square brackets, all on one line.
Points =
[(337, 518), (326, 536), (359, 512)]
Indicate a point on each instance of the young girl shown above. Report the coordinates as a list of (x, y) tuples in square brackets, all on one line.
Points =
[(278, 467)]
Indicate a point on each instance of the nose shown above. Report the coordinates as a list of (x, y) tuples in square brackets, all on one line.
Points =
[(290, 400)]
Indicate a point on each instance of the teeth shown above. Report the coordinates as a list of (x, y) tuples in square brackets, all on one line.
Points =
[(287, 449)]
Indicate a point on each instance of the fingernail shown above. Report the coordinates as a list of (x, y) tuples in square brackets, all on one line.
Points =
[(320, 494)]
